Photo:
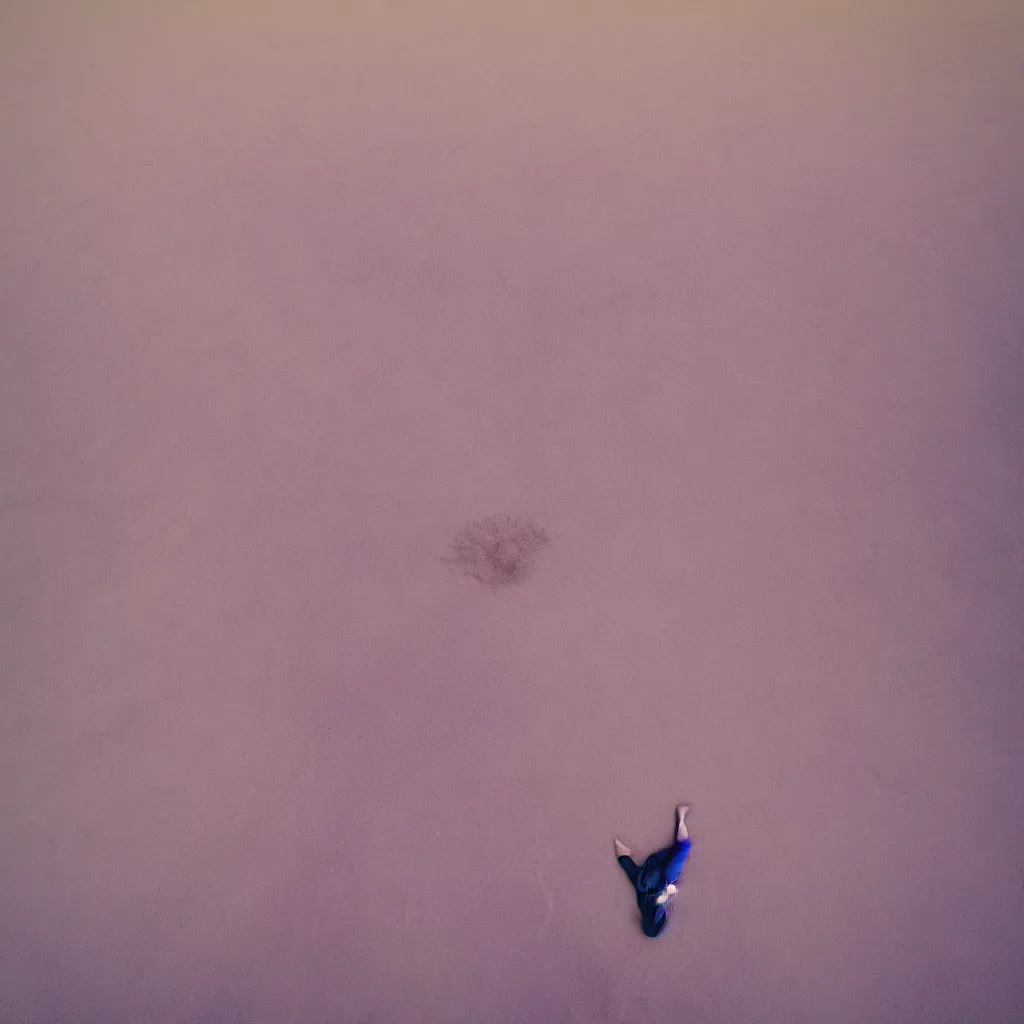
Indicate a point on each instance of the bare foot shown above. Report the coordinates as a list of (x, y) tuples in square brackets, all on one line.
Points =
[(621, 849), (681, 811)]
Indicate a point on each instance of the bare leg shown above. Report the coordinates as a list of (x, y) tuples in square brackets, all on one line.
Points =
[(681, 811), (621, 849)]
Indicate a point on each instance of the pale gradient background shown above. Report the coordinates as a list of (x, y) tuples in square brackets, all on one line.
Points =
[(726, 296)]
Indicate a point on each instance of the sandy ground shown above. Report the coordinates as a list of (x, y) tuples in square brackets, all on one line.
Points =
[(727, 299)]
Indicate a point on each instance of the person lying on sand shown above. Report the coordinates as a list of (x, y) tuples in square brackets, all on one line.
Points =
[(655, 880)]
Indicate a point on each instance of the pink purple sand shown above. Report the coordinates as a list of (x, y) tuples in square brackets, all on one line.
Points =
[(729, 303)]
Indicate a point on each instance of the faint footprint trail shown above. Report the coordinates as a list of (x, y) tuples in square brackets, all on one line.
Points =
[(549, 897)]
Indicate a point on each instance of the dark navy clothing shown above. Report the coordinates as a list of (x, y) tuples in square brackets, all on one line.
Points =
[(650, 879)]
